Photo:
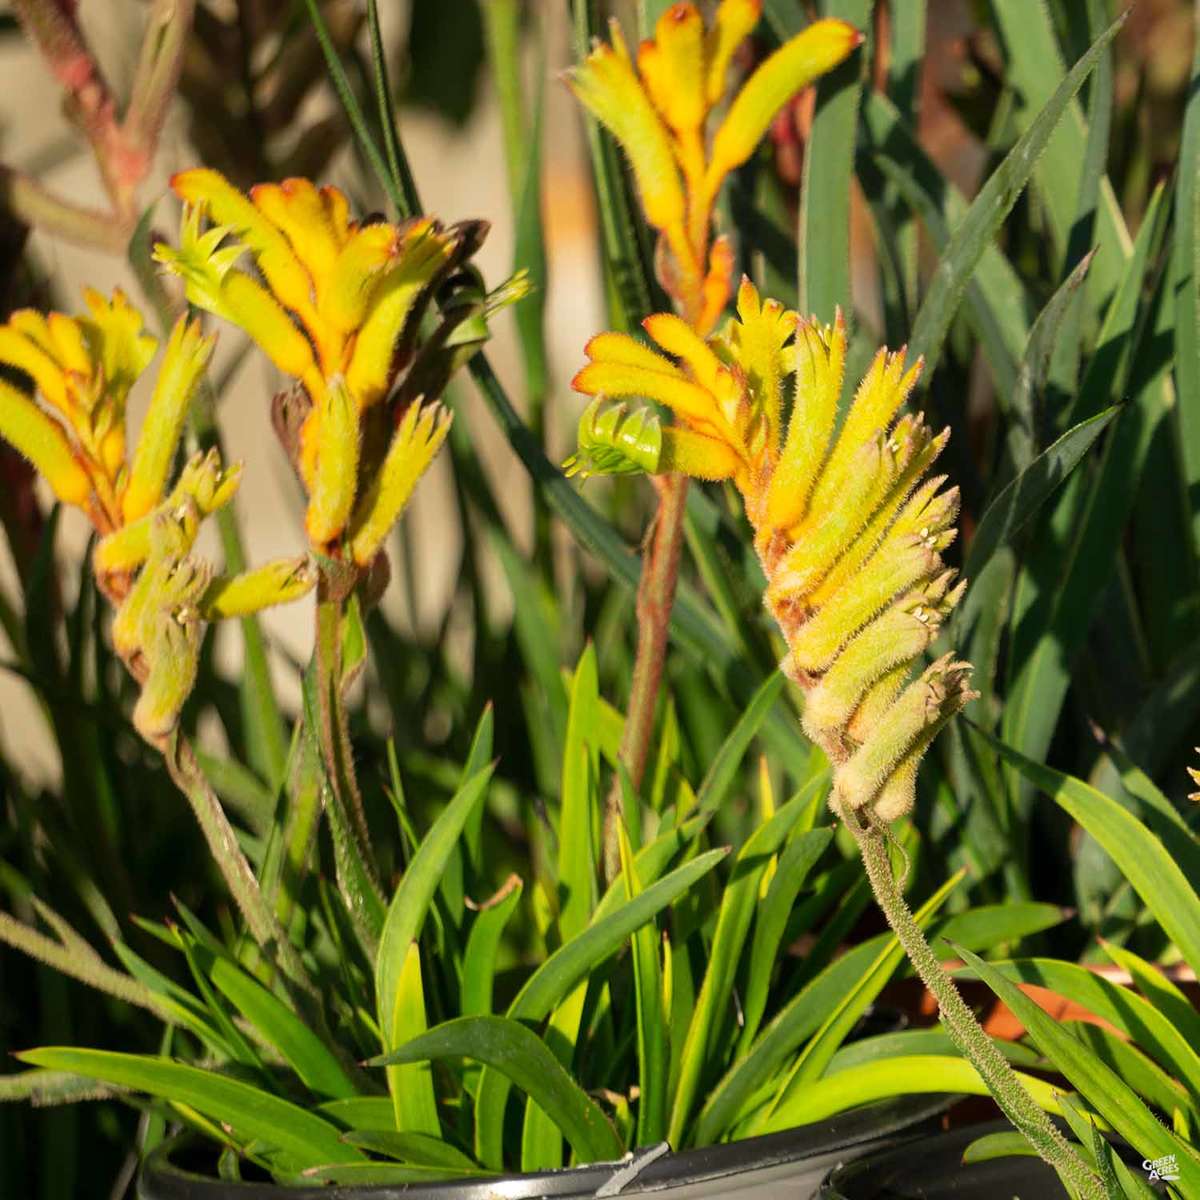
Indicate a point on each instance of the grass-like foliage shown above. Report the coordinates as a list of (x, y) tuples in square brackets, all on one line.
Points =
[(587, 863)]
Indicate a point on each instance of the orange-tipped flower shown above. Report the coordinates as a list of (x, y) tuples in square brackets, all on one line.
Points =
[(849, 529), (337, 309), (658, 110)]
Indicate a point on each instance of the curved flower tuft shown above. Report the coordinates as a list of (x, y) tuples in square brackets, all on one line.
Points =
[(336, 304), (848, 524), (658, 109)]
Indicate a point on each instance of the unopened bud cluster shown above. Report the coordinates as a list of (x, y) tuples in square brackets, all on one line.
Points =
[(847, 522)]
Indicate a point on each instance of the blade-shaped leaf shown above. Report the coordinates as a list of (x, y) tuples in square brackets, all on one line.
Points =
[(301, 1137), (1144, 860), (522, 1057), (1106, 1092), (988, 210), (564, 970)]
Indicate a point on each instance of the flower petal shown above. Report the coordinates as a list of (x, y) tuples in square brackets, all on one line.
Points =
[(819, 48), (42, 441), (608, 86)]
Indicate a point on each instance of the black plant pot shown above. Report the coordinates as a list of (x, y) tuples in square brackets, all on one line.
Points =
[(932, 1169), (790, 1164)]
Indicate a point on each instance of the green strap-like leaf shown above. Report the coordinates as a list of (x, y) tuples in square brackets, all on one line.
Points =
[(722, 769), (252, 1115), (507, 1046), (824, 231), (988, 210), (406, 913), (887, 1077), (1104, 1090), (738, 901), (1144, 860), (568, 966), (1017, 503)]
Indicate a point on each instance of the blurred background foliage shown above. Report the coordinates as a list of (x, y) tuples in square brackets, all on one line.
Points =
[(1084, 624)]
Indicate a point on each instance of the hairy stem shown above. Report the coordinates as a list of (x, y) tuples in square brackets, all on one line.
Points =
[(78, 962), (222, 843), (1016, 1103), (655, 597), (325, 713)]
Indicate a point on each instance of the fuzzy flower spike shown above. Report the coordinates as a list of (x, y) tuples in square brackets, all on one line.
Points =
[(657, 105), (847, 522), (336, 304), (70, 424)]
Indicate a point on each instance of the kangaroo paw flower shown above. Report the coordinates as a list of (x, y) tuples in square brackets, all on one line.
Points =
[(848, 525)]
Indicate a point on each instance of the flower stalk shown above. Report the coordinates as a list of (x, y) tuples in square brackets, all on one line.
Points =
[(850, 532), (960, 1023), (657, 104)]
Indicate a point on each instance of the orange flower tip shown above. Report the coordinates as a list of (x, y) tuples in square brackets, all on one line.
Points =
[(684, 10), (578, 383)]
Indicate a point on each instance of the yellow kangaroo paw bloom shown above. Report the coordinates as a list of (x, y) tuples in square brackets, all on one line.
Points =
[(820, 364), (168, 572), (718, 284), (882, 392), (183, 366), (347, 291), (300, 211), (41, 440), (887, 575), (173, 653), (274, 255), (337, 210), (757, 339), (925, 517), (906, 729), (203, 481), (910, 462), (278, 582), (672, 67), (112, 451), (423, 252), (117, 342), (419, 436), (19, 350), (818, 49), (255, 310), (893, 639), (607, 85), (336, 476), (70, 347), (697, 455), (214, 283), (733, 23), (688, 400), (629, 352), (677, 337), (823, 537)]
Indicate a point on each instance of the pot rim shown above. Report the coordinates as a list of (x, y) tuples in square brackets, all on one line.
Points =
[(887, 1119)]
